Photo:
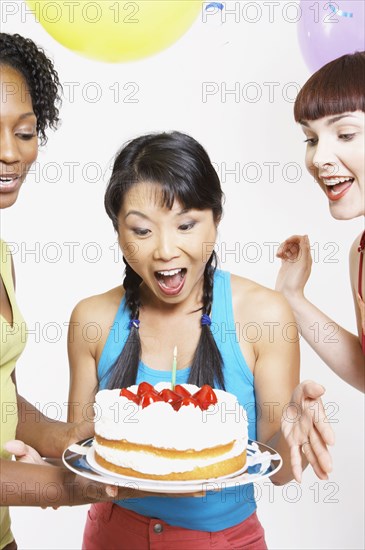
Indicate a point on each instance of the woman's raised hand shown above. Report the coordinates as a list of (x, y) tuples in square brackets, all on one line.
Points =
[(307, 430), (296, 266)]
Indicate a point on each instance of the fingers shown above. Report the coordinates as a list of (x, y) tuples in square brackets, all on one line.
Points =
[(23, 452), (290, 248), (111, 491), (317, 456), (306, 428), (304, 391), (16, 448), (312, 389), (296, 463), (131, 491), (293, 248), (312, 460), (320, 452), (321, 424), (309, 393), (307, 390)]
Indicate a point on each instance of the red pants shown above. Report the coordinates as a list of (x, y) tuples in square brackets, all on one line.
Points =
[(111, 527)]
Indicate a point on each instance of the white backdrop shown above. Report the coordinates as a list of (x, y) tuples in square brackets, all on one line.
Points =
[(64, 244)]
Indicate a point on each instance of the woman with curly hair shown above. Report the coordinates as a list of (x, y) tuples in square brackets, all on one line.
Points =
[(29, 95)]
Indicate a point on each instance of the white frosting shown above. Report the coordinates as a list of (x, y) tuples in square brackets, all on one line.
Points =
[(148, 463), (159, 425)]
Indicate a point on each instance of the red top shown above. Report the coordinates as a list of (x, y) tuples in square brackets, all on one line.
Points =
[(361, 250)]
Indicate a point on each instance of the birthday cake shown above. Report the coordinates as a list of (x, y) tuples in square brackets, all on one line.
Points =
[(155, 433)]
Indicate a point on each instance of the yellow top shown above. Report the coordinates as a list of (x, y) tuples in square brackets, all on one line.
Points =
[(12, 343)]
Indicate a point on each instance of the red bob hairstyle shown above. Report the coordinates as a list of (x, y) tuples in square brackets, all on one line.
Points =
[(337, 87)]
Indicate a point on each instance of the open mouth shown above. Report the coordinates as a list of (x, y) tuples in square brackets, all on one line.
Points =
[(336, 188), (171, 281), (9, 182)]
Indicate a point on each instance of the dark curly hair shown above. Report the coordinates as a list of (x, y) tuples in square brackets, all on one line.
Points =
[(23, 55)]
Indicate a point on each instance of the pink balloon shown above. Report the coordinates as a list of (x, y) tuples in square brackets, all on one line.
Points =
[(327, 30)]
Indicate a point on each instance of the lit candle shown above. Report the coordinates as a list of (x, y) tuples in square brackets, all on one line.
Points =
[(173, 373)]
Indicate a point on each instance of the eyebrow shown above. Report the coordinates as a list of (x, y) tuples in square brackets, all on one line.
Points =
[(142, 215), (26, 115), (136, 213), (331, 120)]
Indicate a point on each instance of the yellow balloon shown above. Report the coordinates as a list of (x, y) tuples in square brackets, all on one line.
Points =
[(114, 30)]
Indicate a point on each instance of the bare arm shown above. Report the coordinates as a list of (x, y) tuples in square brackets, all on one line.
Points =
[(83, 368), (276, 374), (342, 352), (49, 437), (41, 485), (24, 484), (289, 414), (355, 258)]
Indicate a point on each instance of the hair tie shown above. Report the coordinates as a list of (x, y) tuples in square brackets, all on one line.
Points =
[(205, 320), (134, 323)]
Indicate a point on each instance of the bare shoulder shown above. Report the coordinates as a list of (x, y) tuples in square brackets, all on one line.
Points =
[(13, 270), (5, 253), (355, 246), (259, 302), (354, 259), (100, 308)]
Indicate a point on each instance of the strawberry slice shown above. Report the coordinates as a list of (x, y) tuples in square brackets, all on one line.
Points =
[(205, 397), (129, 395), (180, 390), (176, 404), (149, 397), (171, 397), (188, 401), (168, 395), (145, 387)]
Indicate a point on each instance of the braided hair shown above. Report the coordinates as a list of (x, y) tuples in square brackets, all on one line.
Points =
[(23, 55), (183, 171)]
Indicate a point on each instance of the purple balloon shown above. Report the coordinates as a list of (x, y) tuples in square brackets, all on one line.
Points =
[(327, 30)]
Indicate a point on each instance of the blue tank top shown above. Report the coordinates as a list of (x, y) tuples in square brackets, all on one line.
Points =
[(218, 510)]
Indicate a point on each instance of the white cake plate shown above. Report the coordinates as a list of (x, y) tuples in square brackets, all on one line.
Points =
[(262, 462)]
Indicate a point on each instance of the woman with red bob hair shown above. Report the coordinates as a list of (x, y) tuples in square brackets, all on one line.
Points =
[(331, 111)]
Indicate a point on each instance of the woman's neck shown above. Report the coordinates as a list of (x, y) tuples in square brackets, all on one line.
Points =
[(150, 302)]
